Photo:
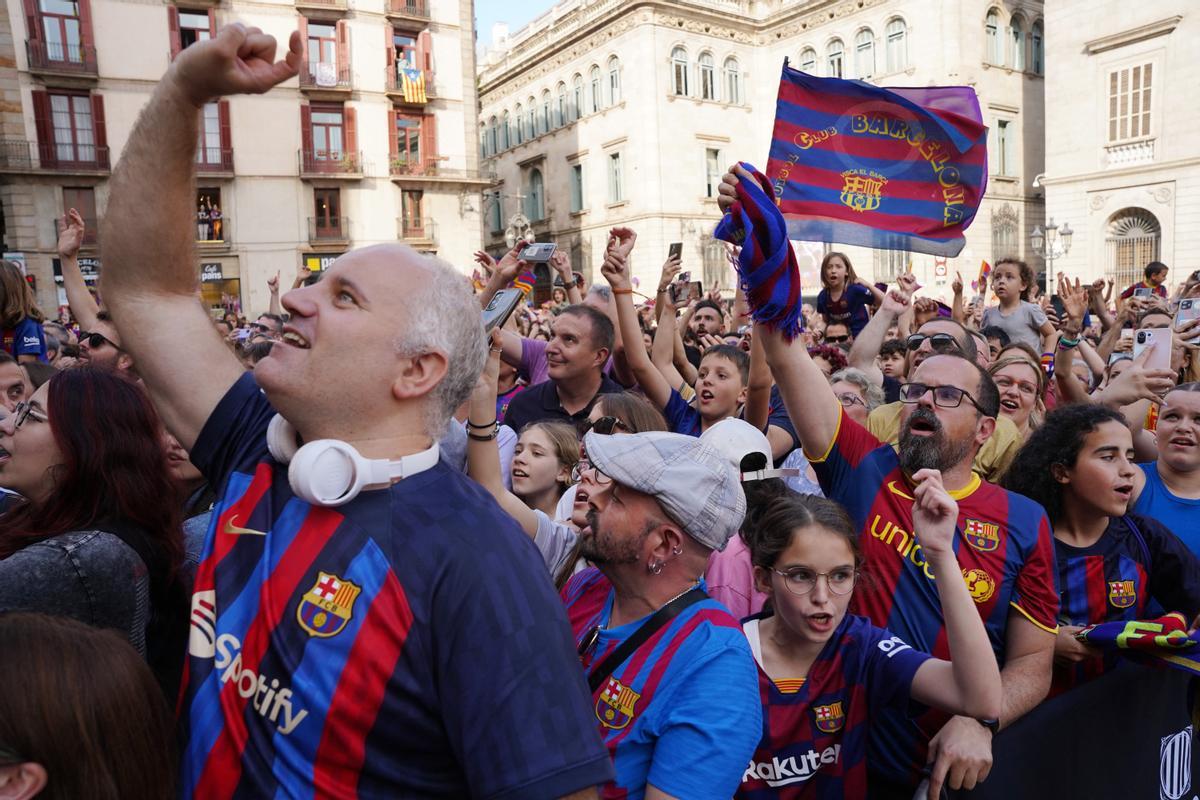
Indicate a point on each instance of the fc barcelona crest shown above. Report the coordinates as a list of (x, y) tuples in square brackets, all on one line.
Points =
[(830, 718), (1121, 594), (983, 536), (862, 189), (325, 609), (614, 707)]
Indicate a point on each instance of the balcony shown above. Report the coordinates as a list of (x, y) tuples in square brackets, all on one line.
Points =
[(1129, 154), (430, 170), (328, 78), (422, 230), (57, 58), (214, 161), (328, 230), (413, 91), (22, 155), (91, 229), (18, 155), (408, 9), (338, 165)]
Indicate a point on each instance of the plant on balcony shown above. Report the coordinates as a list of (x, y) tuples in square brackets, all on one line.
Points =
[(349, 163)]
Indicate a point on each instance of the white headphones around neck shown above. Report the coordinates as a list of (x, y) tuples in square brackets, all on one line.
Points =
[(328, 472)]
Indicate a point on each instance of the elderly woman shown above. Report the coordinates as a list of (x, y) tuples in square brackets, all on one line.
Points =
[(857, 394)]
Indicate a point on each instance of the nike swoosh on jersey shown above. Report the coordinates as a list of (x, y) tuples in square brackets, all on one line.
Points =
[(232, 528)]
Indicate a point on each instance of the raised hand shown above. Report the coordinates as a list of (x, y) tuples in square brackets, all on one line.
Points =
[(895, 301), (727, 191), (1138, 383), (562, 265), (956, 285), (907, 284), (1074, 298), (621, 241), (70, 236), (239, 60), (934, 513), (483, 259), (670, 269), (510, 265), (924, 309), (273, 283), (615, 269)]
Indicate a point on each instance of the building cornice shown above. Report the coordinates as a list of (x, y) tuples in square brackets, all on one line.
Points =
[(1139, 34), (1139, 170)]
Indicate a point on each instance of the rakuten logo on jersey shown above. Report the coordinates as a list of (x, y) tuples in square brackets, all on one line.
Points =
[(793, 769)]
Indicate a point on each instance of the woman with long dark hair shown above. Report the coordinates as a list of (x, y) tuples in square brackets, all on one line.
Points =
[(95, 533)]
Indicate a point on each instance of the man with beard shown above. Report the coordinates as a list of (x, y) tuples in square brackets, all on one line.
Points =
[(674, 682)]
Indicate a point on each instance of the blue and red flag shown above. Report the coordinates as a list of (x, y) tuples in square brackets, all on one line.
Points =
[(896, 169), (525, 281)]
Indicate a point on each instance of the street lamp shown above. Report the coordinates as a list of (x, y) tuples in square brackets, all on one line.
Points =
[(1052, 244), (519, 229)]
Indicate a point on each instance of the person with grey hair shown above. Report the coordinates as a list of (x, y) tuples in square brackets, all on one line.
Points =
[(364, 618), (857, 393)]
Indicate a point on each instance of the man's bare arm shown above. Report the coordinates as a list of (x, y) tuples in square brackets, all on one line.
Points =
[(150, 281), (83, 306)]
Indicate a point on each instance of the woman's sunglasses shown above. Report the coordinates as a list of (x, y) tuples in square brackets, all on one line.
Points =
[(605, 426)]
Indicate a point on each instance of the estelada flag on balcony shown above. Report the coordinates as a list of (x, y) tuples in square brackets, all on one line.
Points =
[(412, 83), (895, 169)]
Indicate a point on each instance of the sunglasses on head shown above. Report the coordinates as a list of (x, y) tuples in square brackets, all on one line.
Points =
[(95, 340), (603, 426), (938, 342)]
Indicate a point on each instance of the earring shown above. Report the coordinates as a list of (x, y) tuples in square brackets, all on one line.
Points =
[(655, 567), (677, 551)]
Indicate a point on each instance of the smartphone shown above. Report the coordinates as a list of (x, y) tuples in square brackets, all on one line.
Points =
[(684, 276), (683, 291), (243, 334), (503, 304), (1159, 341), (1189, 309), (1127, 333), (675, 250), (1057, 303), (1144, 291), (539, 252)]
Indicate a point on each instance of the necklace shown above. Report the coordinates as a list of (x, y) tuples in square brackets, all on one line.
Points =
[(591, 636)]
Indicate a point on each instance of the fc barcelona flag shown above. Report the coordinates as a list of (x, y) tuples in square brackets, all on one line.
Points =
[(896, 169)]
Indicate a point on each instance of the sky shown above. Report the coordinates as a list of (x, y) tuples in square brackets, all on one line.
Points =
[(515, 12)]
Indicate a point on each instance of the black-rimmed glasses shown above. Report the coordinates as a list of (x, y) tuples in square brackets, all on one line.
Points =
[(94, 340), (582, 466), (943, 396), (24, 411)]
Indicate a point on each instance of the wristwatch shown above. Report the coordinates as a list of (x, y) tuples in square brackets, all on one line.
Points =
[(992, 725)]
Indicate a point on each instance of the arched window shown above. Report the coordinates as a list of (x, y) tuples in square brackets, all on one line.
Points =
[(1133, 240), (614, 81), (520, 116), (531, 118), (733, 82), (493, 136), (1036, 55), (597, 89), (483, 137), (897, 45), (808, 61), (560, 107), (833, 59), (1016, 33), (535, 205), (679, 71), (708, 77), (864, 53), (994, 51), (577, 107), (544, 122), (505, 129)]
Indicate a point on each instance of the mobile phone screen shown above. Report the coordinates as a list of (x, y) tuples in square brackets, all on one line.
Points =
[(676, 250)]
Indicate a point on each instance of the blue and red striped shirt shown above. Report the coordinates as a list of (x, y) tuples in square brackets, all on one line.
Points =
[(682, 712), (814, 742), (386, 648), (1003, 545)]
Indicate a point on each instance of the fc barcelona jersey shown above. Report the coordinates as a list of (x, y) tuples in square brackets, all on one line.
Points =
[(1003, 544), (1136, 563), (405, 644), (682, 712), (814, 741)]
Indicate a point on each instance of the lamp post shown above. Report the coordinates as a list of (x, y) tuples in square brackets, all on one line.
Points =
[(1052, 244)]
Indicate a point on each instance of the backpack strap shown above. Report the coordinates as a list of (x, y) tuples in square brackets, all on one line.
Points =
[(1137, 534)]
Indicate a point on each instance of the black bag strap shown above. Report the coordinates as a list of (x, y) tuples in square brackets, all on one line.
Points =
[(639, 637), (1141, 540)]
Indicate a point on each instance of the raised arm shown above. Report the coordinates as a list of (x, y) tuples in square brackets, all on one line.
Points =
[(616, 271), (956, 305), (83, 306), (867, 344), (662, 351), (149, 282), (273, 287), (562, 265)]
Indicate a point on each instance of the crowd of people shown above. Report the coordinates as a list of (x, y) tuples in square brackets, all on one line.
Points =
[(613, 548)]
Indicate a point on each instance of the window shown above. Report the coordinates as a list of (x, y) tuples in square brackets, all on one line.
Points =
[(576, 187), (897, 45), (1036, 55), (679, 72), (577, 107), (327, 205), (994, 52), (493, 136), (210, 221), (535, 200), (61, 24), (808, 61), (1133, 241), (193, 27), (74, 139), (505, 131), (495, 212), (408, 143), (614, 81), (208, 152), (864, 53), (322, 46), (520, 131), (712, 171), (328, 133), (597, 89), (412, 219), (1016, 33), (616, 189), (544, 122), (560, 109), (891, 263), (531, 118), (405, 47), (1005, 226), (1129, 102), (833, 59), (483, 151), (1005, 157), (733, 82), (83, 200), (708, 77)]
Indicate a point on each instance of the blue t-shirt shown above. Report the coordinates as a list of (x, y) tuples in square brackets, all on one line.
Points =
[(25, 339), (682, 712), (1180, 515), (814, 741), (681, 417), (850, 308), (405, 644)]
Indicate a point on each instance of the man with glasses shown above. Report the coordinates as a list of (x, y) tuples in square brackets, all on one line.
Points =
[(269, 326), (838, 334), (100, 346), (673, 680)]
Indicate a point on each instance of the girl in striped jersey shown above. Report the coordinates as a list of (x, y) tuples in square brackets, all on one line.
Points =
[(1112, 565), (824, 673)]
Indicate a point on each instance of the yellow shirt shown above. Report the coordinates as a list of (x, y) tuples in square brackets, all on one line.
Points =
[(991, 461)]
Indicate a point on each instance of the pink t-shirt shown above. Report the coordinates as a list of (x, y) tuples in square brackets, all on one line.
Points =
[(730, 579)]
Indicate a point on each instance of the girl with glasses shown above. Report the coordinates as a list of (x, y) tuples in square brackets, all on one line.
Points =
[(824, 673)]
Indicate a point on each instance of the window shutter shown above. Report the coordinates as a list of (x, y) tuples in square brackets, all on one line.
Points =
[(343, 51), (425, 50), (45, 130), (173, 30), (429, 148), (389, 49), (212, 22), (306, 138), (226, 135), (100, 131), (350, 120), (304, 54), (393, 137), (85, 29), (33, 23)]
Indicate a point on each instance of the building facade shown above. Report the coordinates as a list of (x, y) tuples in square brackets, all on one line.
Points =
[(627, 112), (1122, 140), (373, 142)]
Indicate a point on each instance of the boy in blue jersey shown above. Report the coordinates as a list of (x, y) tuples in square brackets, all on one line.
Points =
[(365, 622), (1004, 545), (679, 712), (1168, 488)]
